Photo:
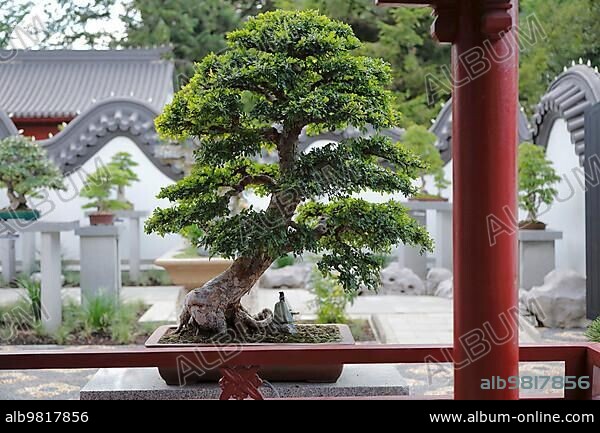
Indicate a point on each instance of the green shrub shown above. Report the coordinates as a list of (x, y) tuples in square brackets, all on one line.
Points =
[(283, 261), (331, 299), (99, 313), (32, 296), (593, 331)]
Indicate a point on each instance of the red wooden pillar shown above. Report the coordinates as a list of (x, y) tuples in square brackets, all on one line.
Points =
[(485, 93), (485, 67)]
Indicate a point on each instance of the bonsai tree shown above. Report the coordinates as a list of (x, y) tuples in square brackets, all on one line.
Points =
[(284, 71), (25, 171), (124, 164), (537, 178), (101, 185), (422, 143)]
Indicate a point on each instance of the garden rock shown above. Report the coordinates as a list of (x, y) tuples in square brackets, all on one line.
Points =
[(444, 289), (288, 277), (560, 301), (398, 280), (434, 277)]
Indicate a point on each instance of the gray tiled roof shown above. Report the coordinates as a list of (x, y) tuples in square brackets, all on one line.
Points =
[(63, 83)]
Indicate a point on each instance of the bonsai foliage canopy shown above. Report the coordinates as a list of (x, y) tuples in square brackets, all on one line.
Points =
[(537, 178), (25, 170), (284, 71), (101, 185)]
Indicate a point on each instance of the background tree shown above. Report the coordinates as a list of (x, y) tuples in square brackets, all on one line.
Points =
[(284, 71), (193, 28), (25, 171), (571, 28), (537, 178), (11, 14), (422, 143)]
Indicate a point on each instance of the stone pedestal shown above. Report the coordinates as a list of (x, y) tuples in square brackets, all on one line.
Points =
[(536, 256), (99, 261), (443, 244), (7, 256), (423, 212), (133, 217), (27, 241), (50, 267), (146, 384)]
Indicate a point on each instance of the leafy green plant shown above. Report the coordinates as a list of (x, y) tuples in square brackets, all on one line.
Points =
[(331, 299), (283, 261), (284, 71), (99, 313), (537, 180), (422, 143), (593, 331), (32, 296), (100, 186), (25, 171)]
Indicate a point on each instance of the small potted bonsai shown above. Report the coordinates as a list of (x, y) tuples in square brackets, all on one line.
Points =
[(422, 143), (283, 71), (537, 180), (124, 163), (105, 188), (25, 170)]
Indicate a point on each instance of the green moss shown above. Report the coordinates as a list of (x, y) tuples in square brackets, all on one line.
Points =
[(307, 334)]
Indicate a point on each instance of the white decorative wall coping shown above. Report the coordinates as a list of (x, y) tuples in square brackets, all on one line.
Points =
[(539, 235)]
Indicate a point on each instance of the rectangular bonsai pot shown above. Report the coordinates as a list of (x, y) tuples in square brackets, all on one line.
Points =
[(272, 373)]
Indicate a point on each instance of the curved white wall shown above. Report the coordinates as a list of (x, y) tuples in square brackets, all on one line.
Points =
[(567, 213), (66, 205)]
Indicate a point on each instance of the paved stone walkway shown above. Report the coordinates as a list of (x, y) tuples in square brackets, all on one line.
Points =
[(397, 319)]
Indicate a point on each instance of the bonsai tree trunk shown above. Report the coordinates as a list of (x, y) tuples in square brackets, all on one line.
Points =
[(121, 194), (215, 307), (17, 201)]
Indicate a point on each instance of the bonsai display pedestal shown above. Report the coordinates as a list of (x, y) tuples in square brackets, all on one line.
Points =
[(100, 261), (536, 256), (428, 213), (50, 262), (376, 380)]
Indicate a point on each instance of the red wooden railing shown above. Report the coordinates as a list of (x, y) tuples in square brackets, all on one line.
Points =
[(237, 363)]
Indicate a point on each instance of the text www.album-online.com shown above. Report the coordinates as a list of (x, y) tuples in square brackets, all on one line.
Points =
[(506, 418)]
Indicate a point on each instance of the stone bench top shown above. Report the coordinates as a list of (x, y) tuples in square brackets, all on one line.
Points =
[(40, 226), (539, 235), (126, 213), (98, 231)]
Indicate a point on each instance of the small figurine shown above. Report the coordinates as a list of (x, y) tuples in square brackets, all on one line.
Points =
[(283, 316)]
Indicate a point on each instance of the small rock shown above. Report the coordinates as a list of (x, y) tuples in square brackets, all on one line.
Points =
[(288, 277), (444, 289), (434, 277), (397, 280), (560, 301)]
